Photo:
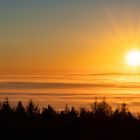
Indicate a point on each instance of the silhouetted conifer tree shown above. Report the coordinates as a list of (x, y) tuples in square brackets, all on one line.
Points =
[(6, 107), (20, 108), (32, 109)]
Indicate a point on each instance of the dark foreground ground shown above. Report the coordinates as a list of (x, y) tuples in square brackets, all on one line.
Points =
[(100, 123)]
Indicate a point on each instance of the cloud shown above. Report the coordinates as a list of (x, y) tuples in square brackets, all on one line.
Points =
[(57, 85)]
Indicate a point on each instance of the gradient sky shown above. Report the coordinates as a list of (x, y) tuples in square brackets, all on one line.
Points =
[(46, 36)]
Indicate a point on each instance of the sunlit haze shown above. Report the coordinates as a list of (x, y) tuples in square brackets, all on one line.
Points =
[(62, 52)]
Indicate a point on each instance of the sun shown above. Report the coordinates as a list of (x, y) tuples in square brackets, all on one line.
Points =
[(133, 58)]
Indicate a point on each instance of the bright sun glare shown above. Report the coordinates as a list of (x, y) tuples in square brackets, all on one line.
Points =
[(133, 58)]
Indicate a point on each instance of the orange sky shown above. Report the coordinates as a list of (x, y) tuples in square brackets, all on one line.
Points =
[(51, 37)]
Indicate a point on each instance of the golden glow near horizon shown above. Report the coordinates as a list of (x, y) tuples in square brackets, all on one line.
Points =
[(133, 58)]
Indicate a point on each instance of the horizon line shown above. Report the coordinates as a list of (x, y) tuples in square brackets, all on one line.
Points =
[(64, 74)]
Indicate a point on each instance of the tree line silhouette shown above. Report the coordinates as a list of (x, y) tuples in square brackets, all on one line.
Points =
[(99, 123)]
